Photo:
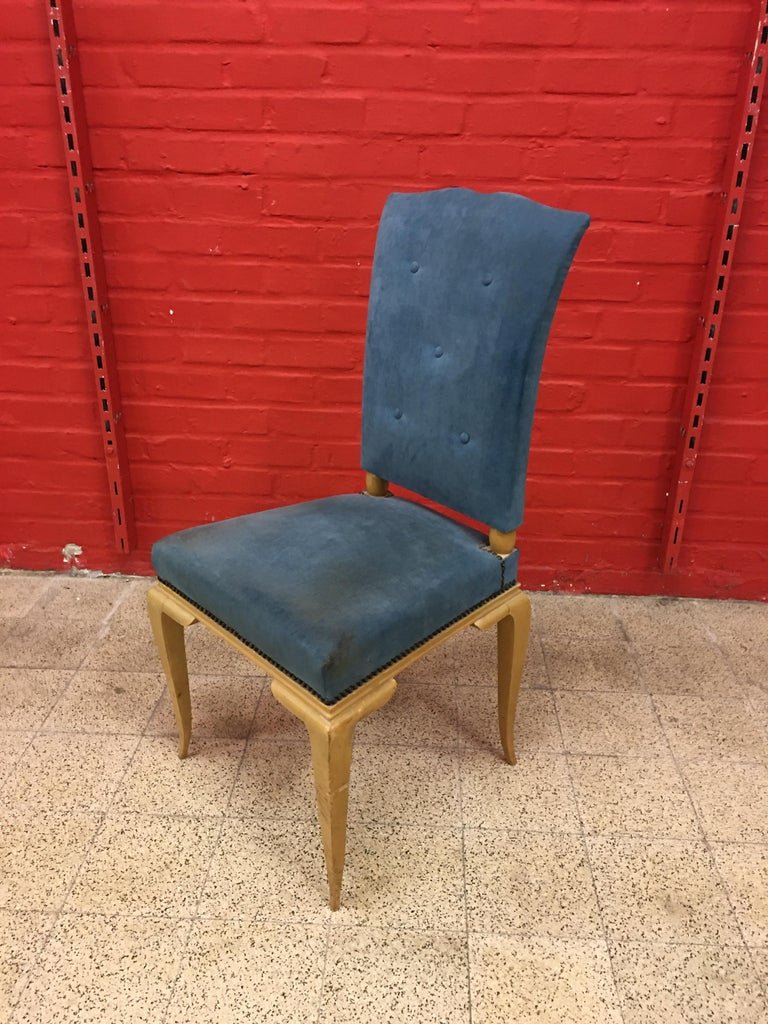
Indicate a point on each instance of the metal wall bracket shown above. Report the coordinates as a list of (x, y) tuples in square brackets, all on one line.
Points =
[(720, 266), (79, 170)]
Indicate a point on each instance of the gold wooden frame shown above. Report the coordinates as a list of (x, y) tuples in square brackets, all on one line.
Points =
[(331, 727)]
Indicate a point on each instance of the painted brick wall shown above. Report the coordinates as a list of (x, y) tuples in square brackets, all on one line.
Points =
[(243, 151)]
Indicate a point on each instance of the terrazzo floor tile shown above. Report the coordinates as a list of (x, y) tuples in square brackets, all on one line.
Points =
[(730, 798), (535, 794), (242, 844), (145, 866), (12, 746), (267, 870), (541, 981), (107, 702), (222, 708), (530, 884), (536, 725), (609, 723), (730, 619), (706, 727), (27, 696), (591, 665), (403, 877), (759, 959), (22, 937), (159, 782), (126, 645), (632, 796), (749, 660), (682, 984), (274, 781), (473, 656), (274, 722), (589, 619), (235, 972), (744, 869), (69, 772), (395, 976), (416, 716), (646, 619), (208, 654), (105, 970), (40, 854), (699, 669), (665, 890), (438, 668), (405, 785), (19, 592), (90, 599), (39, 642)]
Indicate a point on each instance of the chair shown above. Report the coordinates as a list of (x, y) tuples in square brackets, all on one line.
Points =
[(334, 598)]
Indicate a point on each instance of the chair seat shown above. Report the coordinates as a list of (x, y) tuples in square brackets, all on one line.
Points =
[(333, 590)]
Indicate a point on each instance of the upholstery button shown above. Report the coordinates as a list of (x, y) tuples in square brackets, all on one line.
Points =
[(487, 279), (398, 413), (414, 267), (438, 351), (464, 437)]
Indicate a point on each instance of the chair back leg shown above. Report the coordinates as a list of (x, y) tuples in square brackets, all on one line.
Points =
[(169, 619), (512, 640)]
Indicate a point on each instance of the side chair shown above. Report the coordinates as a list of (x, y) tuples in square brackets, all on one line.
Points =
[(334, 598)]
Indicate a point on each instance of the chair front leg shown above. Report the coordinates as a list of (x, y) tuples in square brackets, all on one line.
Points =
[(331, 734), (169, 619), (512, 637)]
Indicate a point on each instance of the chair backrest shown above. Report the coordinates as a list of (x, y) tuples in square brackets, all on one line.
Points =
[(463, 292)]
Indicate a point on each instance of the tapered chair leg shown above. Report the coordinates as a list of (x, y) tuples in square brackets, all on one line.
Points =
[(512, 635), (169, 619), (331, 762), (331, 733)]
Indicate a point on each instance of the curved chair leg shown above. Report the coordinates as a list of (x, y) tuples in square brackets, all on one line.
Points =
[(512, 636), (169, 618), (331, 733)]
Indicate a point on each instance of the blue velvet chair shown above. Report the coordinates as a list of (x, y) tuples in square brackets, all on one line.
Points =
[(334, 598)]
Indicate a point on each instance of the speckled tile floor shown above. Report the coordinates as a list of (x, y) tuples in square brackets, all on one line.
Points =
[(619, 873)]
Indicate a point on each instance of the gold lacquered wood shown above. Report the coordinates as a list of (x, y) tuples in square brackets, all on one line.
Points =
[(512, 633), (502, 543), (376, 486), (331, 732), (169, 617), (331, 727)]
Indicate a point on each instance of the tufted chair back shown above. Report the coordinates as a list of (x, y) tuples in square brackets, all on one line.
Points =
[(463, 293)]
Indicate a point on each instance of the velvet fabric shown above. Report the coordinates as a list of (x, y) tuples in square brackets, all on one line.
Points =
[(463, 293), (333, 590)]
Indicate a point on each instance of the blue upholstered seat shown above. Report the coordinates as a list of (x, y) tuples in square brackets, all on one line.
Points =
[(463, 292), (333, 590)]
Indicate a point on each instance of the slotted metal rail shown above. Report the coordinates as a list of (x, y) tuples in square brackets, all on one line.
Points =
[(79, 169), (720, 266)]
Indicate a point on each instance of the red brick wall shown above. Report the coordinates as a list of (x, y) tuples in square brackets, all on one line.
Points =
[(243, 151)]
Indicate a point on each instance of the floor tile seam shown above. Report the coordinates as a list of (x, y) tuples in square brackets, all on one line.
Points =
[(708, 845), (760, 974), (36, 960), (680, 761), (464, 892), (215, 846), (106, 812), (40, 730), (182, 954), (99, 634), (324, 969), (585, 847), (37, 600), (59, 908)]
